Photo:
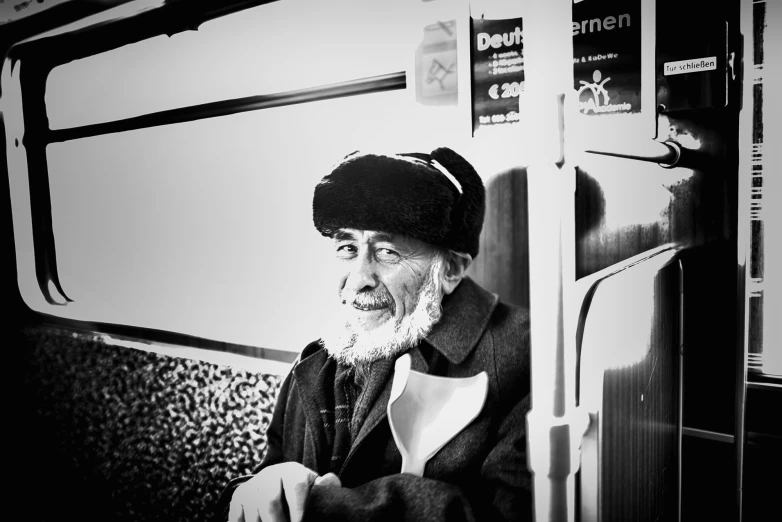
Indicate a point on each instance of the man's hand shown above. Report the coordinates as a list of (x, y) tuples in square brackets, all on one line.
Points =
[(277, 494)]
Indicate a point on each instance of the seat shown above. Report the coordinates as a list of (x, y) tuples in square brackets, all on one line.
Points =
[(628, 342)]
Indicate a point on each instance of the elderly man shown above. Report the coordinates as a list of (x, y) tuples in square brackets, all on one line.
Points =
[(404, 229)]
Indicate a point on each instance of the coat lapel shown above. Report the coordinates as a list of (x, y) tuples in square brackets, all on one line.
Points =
[(314, 380), (378, 412)]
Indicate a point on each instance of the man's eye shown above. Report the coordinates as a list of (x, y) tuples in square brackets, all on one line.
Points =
[(386, 254), (345, 250)]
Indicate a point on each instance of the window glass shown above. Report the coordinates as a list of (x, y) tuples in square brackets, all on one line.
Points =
[(276, 47), (205, 228)]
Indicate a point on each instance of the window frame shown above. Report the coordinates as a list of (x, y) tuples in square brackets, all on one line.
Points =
[(32, 60)]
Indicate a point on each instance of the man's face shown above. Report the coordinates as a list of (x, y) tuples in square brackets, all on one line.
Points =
[(382, 275), (390, 292)]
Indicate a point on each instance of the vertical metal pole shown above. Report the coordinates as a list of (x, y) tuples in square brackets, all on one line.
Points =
[(680, 422), (554, 425), (746, 121)]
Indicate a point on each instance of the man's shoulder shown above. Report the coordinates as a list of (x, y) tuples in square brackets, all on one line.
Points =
[(510, 342), (505, 322), (511, 315), (509, 324)]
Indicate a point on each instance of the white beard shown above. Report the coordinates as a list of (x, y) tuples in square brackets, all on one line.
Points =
[(350, 344)]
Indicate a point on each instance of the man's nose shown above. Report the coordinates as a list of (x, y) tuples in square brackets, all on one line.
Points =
[(362, 275)]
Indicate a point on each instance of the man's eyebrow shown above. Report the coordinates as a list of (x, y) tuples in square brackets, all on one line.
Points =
[(384, 237), (343, 235)]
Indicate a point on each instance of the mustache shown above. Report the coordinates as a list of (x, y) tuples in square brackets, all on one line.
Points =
[(369, 299)]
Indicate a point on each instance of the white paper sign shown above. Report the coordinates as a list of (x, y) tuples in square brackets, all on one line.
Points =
[(690, 66)]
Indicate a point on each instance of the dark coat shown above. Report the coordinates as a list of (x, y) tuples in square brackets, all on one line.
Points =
[(481, 474)]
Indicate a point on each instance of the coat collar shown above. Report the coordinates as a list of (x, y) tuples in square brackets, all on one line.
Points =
[(466, 314)]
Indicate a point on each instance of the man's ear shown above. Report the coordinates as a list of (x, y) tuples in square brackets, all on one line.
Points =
[(456, 264)]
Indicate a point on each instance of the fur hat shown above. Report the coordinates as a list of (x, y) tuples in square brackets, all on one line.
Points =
[(437, 198)]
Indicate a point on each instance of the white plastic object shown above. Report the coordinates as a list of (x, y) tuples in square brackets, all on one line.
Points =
[(426, 412)]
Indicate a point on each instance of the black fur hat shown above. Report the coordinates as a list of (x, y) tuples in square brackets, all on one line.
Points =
[(437, 198)]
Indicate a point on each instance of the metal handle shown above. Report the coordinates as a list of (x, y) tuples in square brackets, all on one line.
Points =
[(667, 154)]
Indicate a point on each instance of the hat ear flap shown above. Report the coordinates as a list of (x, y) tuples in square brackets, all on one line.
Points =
[(467, 214)]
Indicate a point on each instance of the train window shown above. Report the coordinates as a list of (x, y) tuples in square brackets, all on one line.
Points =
[(203, 227)]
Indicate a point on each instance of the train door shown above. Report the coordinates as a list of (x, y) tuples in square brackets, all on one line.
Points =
[(690, 138), (656, 167)]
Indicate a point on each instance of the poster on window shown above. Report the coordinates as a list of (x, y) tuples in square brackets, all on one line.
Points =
[(607, 56), (497, 71), (436, 65)]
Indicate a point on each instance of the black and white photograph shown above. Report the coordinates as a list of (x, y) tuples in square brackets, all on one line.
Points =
[(392, 260)]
